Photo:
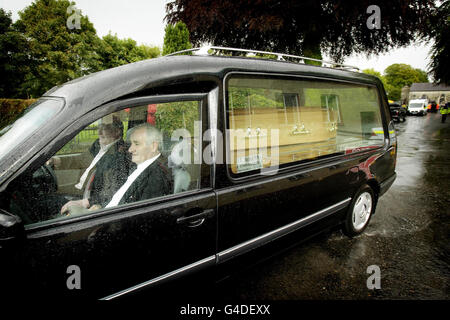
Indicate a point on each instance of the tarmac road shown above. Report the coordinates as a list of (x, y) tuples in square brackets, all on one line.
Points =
[(407, 238)]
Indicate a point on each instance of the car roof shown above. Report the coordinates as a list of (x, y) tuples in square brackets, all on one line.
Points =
[(100, 87)]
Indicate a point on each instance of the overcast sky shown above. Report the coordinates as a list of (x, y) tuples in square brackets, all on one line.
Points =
[(143, 21)]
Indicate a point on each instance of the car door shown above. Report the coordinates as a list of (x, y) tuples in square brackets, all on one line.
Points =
[(271, 184), (113, 251), (290, 163)]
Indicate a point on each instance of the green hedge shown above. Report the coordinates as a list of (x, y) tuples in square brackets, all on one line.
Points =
[(177, 115), (11, 108)]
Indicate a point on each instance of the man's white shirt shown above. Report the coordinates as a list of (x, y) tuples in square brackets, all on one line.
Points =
[(103, 150), (131, 178)]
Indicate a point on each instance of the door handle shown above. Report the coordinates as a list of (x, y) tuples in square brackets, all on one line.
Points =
[(195, 219)]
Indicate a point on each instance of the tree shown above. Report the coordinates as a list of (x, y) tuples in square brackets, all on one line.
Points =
[(399, 75), (176, 38), (58, 53), (148, 52), (52, 43), (114, 52), (311, 27), (375, 73), (14, 60), (440, 51)]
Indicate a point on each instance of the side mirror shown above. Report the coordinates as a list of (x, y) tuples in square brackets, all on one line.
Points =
[(11, 228)]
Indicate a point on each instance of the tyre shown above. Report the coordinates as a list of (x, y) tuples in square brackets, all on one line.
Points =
[(360, 211)]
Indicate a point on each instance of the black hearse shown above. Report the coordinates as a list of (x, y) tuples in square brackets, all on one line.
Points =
[(249, 151)]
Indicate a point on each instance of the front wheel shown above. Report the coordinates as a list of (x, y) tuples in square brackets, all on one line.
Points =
[(360, 211)]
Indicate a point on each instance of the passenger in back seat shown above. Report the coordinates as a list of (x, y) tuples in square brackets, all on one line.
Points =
[(179, 158)]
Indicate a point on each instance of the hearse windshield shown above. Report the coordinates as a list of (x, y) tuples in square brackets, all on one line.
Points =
[(18, 130)]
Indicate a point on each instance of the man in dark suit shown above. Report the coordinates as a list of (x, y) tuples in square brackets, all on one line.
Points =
[(110, 174), (107, 171), (150, 176)]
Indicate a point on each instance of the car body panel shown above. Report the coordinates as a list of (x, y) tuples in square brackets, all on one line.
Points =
[(133, 243)]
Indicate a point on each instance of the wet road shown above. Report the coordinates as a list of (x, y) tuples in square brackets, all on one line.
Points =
[(407, 238)]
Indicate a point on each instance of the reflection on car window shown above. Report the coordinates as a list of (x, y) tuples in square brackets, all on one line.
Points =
[(132, 155), (276, 121), (35, 116)]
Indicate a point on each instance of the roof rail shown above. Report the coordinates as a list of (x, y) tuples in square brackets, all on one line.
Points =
[(213, 50)]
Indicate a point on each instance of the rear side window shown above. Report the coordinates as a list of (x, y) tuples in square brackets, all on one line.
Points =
[(274, 122)]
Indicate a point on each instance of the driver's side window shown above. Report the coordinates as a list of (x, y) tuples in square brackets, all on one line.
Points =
[(131, 155)]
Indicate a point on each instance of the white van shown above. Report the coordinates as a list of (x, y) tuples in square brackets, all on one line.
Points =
[(418, 106)]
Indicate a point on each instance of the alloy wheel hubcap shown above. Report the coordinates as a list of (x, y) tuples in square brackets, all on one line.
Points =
[(362, 210)]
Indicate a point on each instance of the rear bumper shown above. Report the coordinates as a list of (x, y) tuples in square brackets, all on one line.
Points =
[(386, 184)]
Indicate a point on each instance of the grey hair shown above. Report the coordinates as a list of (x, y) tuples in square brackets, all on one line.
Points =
[(152, 134)]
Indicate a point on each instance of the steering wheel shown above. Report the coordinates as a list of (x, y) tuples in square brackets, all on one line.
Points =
[(33, 195), (44, 180)]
